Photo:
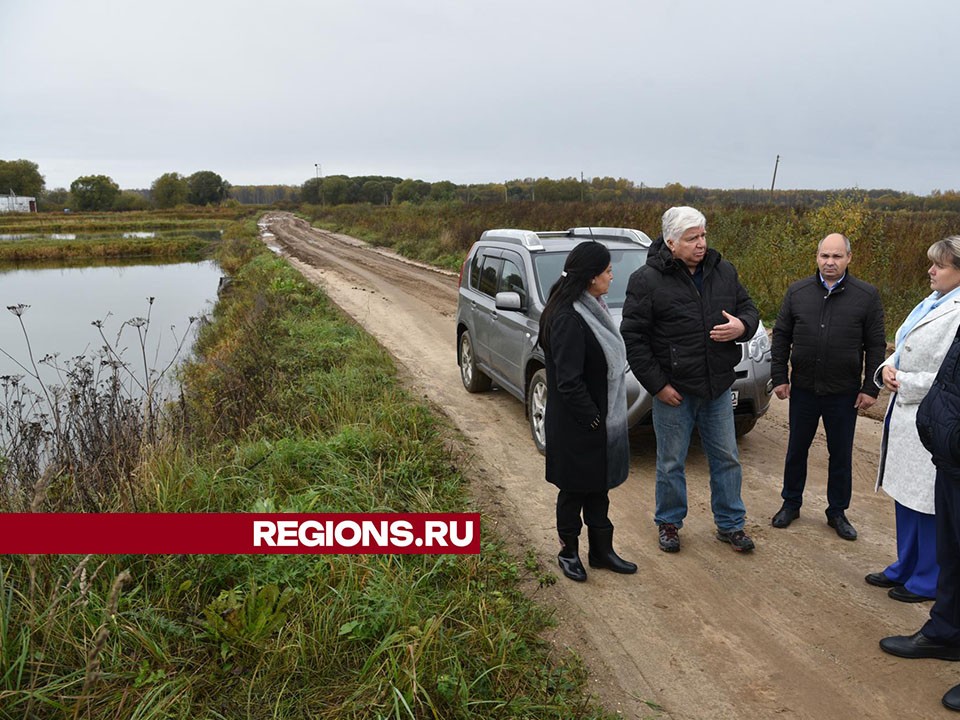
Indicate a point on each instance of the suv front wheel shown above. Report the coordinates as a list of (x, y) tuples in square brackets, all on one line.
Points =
[(536, 409), (474, 380)]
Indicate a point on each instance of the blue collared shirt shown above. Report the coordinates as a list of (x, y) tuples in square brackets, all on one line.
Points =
[(830, 288)]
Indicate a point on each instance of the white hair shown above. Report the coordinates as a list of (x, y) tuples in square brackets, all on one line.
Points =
[(677, 220)]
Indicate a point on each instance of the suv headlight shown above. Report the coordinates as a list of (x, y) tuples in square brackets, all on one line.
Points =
[(759, 345)]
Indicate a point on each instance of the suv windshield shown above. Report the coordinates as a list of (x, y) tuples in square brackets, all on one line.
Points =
[(548, 267)]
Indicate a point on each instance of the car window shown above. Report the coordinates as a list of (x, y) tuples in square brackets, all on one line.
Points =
[(511, 280), (624, 263), (489, 272), (475, 271), (548, 267)]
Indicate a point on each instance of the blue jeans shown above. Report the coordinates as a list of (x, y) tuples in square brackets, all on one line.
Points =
[(674, 427)]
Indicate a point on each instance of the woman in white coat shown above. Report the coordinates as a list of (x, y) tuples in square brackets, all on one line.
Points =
[(906, 471)]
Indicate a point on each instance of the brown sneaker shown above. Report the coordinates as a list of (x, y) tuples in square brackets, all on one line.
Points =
[(740, 541), (669, 537)]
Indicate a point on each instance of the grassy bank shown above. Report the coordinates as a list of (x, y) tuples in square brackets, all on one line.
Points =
[(180, 233), (103, 248), (771, 246), (289, 407), (187, 218)]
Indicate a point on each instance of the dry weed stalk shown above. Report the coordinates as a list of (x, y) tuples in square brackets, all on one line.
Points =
[(92, 674)]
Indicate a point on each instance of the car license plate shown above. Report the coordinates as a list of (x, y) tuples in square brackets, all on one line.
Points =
[(735, 397)]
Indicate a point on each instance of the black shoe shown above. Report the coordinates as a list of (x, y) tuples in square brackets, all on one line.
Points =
[(602, 554), (878, 579), (784, 517), (569, 558), (952, 698), (900, 593), (918, 645), (740, 541), (842, 526), (669, 537)]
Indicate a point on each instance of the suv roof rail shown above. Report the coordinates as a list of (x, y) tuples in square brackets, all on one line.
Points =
[(612, 233), (527, 238)]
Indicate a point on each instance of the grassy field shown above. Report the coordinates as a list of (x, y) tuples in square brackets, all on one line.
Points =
[(288, 407), (771, 246)]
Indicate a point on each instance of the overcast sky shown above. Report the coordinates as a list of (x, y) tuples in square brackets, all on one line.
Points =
[(848, 93)]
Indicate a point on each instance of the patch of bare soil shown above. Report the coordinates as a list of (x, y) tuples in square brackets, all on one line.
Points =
[(788, 631)]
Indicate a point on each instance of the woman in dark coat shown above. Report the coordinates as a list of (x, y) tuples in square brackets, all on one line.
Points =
[(588, 450)]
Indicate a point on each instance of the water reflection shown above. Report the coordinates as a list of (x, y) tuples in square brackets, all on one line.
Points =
[(65, 301), (208, 235)]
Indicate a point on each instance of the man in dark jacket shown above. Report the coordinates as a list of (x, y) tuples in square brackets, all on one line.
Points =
[(830, 328), (938, 425), (684, 312)]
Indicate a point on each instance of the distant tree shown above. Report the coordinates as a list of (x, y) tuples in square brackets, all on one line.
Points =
[(443, 190), (335, 190), (94, 192), (310, 192), (22, 177), (565, 190), (374, 192), (169, 190), (413, 191), (674, 192), (207, 188), (129, 200), (56, 199)]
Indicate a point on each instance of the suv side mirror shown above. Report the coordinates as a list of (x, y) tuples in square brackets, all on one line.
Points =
[(508, 301)]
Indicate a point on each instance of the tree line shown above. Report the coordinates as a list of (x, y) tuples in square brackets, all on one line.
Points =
[(205, 187), (101, 192)]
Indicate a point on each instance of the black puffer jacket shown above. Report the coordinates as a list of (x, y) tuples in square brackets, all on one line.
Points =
[(666, 324), (834, 341)]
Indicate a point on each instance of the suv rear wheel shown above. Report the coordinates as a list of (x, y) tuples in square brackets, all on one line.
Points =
[(745, 424), (536, 409), (473, 379)]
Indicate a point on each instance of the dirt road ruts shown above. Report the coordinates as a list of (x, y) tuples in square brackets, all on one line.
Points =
[(789, 631)]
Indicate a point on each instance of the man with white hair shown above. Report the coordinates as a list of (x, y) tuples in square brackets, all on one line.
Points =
[(684, 312)]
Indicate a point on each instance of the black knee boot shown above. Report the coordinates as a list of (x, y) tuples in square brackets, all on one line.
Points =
[(569, 558), (602, 554)]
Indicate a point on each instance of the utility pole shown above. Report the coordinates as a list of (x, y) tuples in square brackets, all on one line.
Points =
[(581, 186), (774, 182), (317, 168)]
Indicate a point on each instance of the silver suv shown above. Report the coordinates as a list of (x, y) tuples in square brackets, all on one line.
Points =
[(504, 283)]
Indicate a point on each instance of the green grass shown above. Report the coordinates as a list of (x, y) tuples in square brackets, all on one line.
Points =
[(193, 218), (289, 407)]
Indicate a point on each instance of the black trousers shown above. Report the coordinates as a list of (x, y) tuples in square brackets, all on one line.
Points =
[(839, 423), (594, 507), (944, 623)]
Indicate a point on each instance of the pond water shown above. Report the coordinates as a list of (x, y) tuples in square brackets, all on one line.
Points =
[(63, 302), (209, 235)]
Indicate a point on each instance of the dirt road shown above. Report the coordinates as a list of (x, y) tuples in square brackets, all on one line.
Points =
[(789, 631)]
